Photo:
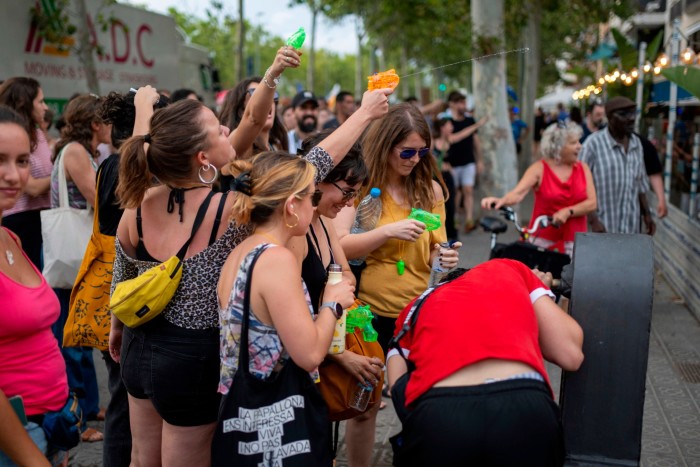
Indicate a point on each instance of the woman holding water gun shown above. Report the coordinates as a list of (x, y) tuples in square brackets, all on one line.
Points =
[(399, 251), (316, 252)]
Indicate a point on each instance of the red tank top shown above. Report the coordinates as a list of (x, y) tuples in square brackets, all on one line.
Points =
[(553, 195)]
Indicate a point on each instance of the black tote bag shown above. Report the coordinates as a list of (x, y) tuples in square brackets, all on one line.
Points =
[(282, 421)]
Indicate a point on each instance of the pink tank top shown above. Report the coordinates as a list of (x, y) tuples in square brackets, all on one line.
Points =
[(553, 195), (31, 364), (39, 167)]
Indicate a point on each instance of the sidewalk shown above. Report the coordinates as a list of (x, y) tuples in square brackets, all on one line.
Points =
[(671, 431)]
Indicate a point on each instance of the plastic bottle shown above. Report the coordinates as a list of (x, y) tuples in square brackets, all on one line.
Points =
[(368, 213), (437, 270), (361, 396), (335, 275)]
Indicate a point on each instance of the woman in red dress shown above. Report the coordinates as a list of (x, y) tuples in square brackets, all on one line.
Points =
[(563, 188)]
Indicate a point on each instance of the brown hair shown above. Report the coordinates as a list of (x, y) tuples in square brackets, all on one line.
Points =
[(19, 93), (176, 136), (274, 176), (381, 138), (79, 115), (232, 112)]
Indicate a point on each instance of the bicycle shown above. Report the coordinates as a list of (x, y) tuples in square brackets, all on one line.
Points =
[(531, 255)]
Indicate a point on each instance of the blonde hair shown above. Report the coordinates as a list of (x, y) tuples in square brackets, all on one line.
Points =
[(274, 177), (555, 137)]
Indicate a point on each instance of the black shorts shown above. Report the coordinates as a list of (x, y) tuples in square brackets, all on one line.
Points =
[(176, 368), (507, 423)]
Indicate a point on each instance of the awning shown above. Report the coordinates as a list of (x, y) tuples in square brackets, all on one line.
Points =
[(661, 91), (603, 51)]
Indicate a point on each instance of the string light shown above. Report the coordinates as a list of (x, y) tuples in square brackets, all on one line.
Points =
[(688, 56)]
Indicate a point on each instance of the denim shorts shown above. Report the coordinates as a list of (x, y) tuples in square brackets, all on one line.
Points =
[(176, 368)]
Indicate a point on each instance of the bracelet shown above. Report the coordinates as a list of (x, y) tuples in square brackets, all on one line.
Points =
[(571, 212), (274, 80)]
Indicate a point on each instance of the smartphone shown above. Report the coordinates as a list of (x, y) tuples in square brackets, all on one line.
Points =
[(17, 404)]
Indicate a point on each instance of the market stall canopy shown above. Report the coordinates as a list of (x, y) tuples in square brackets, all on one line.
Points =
[(560, 95)]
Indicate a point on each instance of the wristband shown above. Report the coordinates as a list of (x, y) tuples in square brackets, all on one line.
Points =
[(571, 212)]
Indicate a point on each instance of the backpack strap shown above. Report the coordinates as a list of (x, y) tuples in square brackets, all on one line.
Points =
[(217, 221), (201, 212)]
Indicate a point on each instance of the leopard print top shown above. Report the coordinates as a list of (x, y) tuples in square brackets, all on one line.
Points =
[(195, 305)]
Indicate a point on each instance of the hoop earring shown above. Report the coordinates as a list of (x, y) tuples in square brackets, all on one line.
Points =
[(289, 226), (206, 169)]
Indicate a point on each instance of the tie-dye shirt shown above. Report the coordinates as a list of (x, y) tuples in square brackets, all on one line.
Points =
[(265, 348)]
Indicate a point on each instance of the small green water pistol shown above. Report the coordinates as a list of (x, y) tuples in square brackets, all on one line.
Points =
[(431, 221), (361, 317), (297, 39)]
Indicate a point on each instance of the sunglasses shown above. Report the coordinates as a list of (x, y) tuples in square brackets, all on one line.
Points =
[(315, 196), (347, 194), (408, 153), (252, 90)]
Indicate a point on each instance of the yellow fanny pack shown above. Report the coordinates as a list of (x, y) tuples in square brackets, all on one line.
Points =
[(137, 301)]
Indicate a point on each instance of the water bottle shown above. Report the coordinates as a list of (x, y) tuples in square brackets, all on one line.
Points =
[(335, 275), (437, 270), (361, 396), (368, 213)]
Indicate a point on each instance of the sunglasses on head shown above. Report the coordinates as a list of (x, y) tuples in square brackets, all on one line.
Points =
[(408, 153), (252, 90), (347, 194), (315, 196)]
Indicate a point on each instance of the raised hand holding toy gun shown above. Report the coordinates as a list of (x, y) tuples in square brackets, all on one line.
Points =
[(431, 220), (297, 39)]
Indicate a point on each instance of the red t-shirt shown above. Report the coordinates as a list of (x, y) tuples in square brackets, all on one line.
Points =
[(486, 313), (553, 195)]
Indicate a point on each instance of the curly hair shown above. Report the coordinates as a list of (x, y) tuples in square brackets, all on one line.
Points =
[(555, 136), (18, 93), (274, 176), (79, 115), (118, 109)]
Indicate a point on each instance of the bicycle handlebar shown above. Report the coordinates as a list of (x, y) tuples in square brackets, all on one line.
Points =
[(541, 221)]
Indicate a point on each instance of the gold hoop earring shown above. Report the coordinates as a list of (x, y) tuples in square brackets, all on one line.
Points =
[(287, 223)]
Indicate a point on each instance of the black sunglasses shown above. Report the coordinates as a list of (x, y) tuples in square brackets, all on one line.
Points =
[(408, 153), (347, 194), (315, 196), (276, 98)]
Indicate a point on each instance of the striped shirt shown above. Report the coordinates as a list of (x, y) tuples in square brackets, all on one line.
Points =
[(619, 178)]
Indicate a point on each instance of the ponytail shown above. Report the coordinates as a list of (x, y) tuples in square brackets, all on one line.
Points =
[(134, 174), (242, 206)]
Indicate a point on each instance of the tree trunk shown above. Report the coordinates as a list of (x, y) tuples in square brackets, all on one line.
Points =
[(528, 94), (312, 51), (489, 81), (241, 41), (86, 48), (359, 81)]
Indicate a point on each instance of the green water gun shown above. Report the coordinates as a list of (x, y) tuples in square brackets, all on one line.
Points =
[(431, 221), (297, 39), (361, 317)]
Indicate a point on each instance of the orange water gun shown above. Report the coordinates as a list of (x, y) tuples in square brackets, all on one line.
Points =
[(382, 80)]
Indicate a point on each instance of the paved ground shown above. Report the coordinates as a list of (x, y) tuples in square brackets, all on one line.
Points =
[(671, 432)]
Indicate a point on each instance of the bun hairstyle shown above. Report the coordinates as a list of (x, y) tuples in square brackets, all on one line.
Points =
[(176, 136), (118, 109), (18, 93), (273, 176)]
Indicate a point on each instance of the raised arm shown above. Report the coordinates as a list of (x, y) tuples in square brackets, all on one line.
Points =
[(144, 100), (258, 107), (375, 104), (468, 131)]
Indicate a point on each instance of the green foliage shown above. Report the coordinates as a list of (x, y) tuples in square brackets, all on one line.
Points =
[(687, 77), (626, 51)]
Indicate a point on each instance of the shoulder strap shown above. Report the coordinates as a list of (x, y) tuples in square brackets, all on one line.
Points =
[(139, 228), (243, 356), (217, 221), (328, 239), (197, 222)]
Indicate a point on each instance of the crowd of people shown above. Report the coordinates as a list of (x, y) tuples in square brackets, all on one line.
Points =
[(262, 201)]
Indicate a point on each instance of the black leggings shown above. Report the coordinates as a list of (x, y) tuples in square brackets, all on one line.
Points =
[(507, 423)]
